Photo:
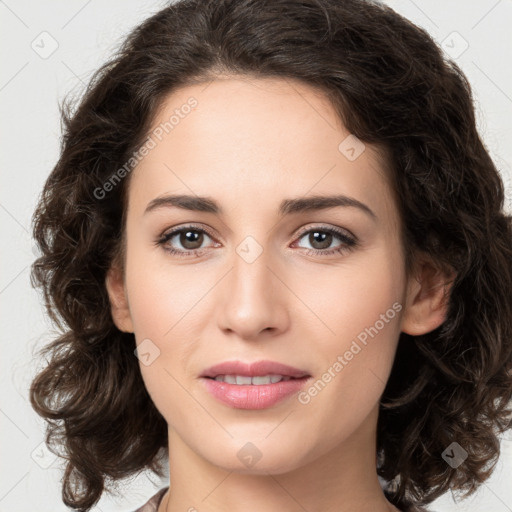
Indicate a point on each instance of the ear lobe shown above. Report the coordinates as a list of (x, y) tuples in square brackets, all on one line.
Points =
[(428, 291), (119, 306)]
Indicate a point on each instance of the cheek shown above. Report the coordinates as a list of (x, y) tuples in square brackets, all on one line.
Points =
[(360, 308), (162, 295), (356, 295), (163, 301)]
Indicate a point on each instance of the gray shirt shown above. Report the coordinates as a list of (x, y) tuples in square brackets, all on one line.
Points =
[(152, 504)]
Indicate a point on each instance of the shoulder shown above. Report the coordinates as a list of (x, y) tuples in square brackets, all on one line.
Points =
[(152, 504)]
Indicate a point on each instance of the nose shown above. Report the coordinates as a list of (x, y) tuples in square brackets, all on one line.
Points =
[(253, 300)]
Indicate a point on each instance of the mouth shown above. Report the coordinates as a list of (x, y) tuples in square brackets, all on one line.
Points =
[(258, 385)]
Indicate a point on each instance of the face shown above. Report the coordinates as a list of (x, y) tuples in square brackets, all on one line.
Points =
[(252, 274)]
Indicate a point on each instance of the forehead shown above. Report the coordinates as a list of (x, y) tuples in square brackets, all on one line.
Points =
[(255, 140)]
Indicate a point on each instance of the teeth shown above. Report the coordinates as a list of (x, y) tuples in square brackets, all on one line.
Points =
[(246, 380), (242, 379)]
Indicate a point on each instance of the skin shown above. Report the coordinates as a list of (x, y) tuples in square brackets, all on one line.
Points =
[(249, 144)]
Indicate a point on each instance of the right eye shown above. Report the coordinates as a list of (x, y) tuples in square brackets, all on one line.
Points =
[(189, 237)]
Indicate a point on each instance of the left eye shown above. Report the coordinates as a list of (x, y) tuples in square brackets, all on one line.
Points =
[(191, 239), (321, 239)]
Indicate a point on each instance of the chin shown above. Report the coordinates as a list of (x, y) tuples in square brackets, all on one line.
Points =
[(258, 457)]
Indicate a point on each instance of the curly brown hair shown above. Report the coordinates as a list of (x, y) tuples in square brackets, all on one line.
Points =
[(391, 85)]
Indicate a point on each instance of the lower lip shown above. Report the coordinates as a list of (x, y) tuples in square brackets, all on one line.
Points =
[(251, 396)]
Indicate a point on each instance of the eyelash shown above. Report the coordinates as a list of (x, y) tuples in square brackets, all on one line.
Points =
[(348, 243)]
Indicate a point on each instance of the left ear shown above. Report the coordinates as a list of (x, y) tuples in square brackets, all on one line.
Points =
[(428, 291)]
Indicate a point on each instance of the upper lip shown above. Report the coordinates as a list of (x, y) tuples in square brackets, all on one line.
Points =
[(253, 369)]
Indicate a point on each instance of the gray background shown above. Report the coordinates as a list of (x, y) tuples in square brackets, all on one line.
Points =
[(33, 79)]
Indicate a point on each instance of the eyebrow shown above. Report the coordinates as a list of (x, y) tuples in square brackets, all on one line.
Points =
[(287, 206)]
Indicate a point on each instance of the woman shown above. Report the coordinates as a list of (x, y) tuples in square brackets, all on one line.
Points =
[(277, 249)]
